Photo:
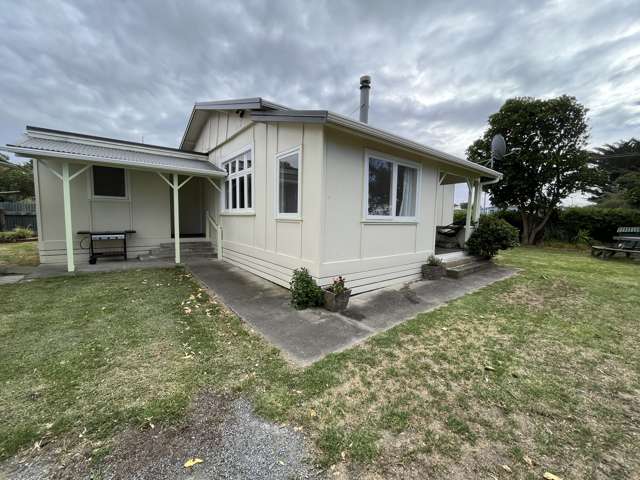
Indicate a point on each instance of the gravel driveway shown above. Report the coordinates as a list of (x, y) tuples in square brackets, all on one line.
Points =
[(229, 438)]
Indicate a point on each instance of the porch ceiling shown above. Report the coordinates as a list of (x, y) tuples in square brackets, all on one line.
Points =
[(111, 153)]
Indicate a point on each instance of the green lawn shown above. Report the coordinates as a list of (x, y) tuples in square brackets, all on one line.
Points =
[(537, 373), (19, 253)]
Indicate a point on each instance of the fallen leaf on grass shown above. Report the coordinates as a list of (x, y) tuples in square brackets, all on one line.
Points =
[(551, 476), (192, 461), (528, 460), (506, 468)]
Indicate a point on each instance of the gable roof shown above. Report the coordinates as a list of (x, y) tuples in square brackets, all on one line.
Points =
[(46, 143), (199, 115)]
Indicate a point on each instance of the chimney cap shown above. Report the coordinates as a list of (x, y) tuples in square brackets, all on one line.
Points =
[(365, 81)]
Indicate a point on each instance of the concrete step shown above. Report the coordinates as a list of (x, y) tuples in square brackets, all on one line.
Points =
[(187, 250), (463, 269)]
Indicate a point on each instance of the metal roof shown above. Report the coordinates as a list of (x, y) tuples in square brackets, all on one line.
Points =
[(114, 153), (200, 113), (364, 129)]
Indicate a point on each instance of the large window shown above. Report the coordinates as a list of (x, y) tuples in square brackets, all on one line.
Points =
[(238, 186), (109, 182), (288, 164), (391, 190)]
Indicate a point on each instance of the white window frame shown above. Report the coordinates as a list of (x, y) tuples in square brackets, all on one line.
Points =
[(395, 161), (230, 176), (279, 155), (110, 197)]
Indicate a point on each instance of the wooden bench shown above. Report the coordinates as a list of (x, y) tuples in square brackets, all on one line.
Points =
[(627, 241)]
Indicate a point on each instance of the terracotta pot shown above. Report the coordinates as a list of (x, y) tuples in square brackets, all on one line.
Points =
[(336, 303), (432, 272)]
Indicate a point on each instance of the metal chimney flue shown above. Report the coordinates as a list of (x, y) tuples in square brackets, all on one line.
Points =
[(365, 87)]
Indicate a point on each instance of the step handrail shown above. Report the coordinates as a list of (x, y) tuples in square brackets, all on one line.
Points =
[(218, 234)]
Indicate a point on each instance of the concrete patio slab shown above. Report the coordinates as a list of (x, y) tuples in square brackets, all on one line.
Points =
[(307, 336), (103, 265)]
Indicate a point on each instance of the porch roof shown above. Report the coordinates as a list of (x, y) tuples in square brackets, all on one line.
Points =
[(43, 143)]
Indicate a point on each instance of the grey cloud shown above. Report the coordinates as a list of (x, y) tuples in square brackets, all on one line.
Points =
[(134, 68)]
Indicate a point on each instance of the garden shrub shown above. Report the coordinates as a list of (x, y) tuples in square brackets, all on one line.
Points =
[(18, 233), (491, 235), (595, 222), (305, 292)]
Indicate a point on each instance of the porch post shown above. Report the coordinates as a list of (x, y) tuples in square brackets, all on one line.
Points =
[(68, 228), (477, 202), (176, 216), (467, 225)]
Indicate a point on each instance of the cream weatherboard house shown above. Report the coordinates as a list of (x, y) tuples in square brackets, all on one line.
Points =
[(271, 188)]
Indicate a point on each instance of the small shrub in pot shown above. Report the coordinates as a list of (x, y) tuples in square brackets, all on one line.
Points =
[(305, 292), (336, 295), (433, 269), (492, 234)]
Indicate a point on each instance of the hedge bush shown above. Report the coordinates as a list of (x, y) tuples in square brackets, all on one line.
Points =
[(305, 292), (18, 233), (492, 234), (576, 224)]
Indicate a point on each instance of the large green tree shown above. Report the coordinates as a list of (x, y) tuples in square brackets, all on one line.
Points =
[(18, 178), (549, 162), (621, 163)]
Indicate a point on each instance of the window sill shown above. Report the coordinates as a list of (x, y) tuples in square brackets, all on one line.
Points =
[(289, 220), (238, 214), (389, 222)]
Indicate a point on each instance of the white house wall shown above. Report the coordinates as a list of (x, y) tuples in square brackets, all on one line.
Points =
[(146, 210), (260, 242), (218, 128), (372, 254)]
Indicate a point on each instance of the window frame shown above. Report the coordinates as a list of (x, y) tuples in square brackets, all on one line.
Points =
[(92, 185), (395, 161), (279, 155), (236, 175)]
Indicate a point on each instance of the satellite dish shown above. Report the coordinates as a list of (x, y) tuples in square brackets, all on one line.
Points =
[(498, 147)]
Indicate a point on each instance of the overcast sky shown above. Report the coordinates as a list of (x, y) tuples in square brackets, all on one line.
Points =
[(133, 69)]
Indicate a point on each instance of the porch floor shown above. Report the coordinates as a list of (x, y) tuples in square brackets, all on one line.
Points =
[(308, 335)]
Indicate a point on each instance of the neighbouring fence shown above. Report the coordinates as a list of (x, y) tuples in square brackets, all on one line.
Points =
[(18, 214)]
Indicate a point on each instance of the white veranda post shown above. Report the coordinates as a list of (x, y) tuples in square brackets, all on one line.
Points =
[(66, 178), (477, 202), (467, 225), (175, 186), (216, 224)]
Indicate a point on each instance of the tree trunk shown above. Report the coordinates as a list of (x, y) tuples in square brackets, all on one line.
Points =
[(526, 229)]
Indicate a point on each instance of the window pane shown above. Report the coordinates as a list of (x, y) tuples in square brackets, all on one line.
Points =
[(234, 193), (233, 166), (241, 188), (380, 178), (249, 200), (108, 182), (226, 195), (240, 164), (288, 184), (406, 191), (248, 156), (226, 167)]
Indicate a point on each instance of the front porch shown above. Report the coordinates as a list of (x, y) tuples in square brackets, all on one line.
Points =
[(118, 189)]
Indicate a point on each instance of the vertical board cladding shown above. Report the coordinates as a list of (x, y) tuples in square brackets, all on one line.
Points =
[(146, 209), (258, 240), (218, 128), (372, 253)]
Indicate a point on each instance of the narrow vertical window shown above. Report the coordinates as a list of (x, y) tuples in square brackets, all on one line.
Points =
[(380, 181), (238, 184), (289, 184)]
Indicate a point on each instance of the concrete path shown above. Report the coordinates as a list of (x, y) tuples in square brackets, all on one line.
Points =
[(307, 336), (103, 265)]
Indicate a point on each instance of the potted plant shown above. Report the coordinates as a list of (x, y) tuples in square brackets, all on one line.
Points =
[(433, 269), (336, 295)]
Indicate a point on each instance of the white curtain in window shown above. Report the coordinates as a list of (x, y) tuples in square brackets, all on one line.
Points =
[(406, 198)]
